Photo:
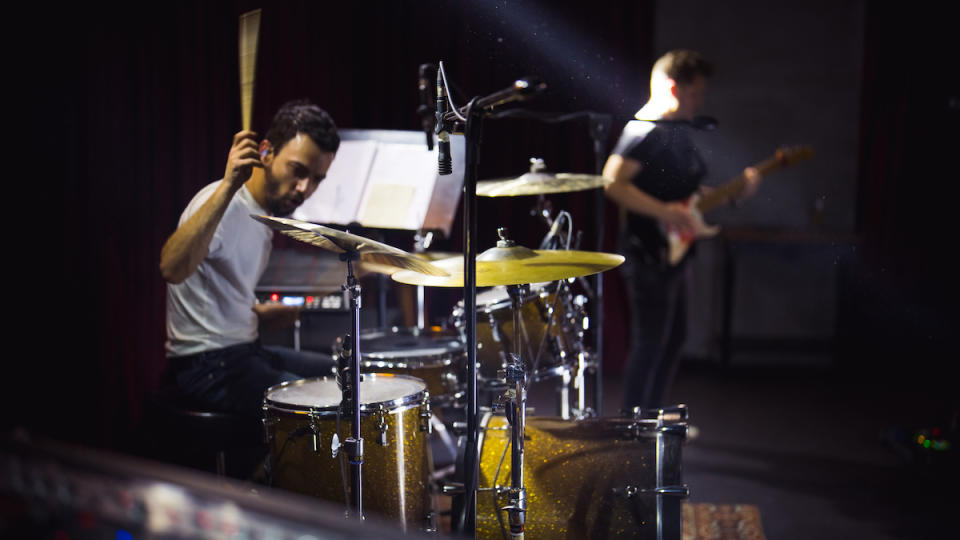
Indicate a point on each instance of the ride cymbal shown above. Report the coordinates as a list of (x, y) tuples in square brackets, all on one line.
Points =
[(382, 257)]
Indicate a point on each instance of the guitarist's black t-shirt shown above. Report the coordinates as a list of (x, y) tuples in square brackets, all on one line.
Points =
[(672, 170)]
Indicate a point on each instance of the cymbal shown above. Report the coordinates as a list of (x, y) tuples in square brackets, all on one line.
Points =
[(382, 257), (428, 256), (517, 265), (538, 182)]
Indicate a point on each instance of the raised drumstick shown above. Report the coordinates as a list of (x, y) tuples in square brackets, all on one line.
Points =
[(249, 34)]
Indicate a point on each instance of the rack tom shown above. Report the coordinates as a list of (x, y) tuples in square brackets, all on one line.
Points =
[(437, 357)]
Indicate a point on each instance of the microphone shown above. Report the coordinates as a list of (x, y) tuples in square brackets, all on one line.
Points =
[(444, 161), (424, 110), (551, 235)]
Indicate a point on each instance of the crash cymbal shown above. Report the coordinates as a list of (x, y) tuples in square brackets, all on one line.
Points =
[(379, 256), (516, 265), (428, 256), (538, 183)]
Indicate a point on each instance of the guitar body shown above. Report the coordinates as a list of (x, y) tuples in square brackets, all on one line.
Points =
[(678, 244)]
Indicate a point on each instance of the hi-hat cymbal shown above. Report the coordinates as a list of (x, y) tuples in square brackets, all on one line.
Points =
[(538, 183), (517, 265), (381, 257)]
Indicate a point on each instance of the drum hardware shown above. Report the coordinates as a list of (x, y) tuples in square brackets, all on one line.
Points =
[(452, 488), (382, 425), (426, 415), (267, 434), (421, 242), (351, 248), (634, 491)]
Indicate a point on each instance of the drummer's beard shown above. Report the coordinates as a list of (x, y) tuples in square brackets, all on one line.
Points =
[(279, 203)]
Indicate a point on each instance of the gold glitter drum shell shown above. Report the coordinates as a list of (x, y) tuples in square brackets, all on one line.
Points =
[(305, 431), (587, 479)]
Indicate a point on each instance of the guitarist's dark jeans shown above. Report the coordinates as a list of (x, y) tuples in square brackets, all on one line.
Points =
[(658, 328)]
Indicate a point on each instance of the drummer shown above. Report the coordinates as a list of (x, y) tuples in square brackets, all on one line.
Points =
[(217, 254)]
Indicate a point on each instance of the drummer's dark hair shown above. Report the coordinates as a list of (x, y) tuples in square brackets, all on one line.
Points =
[(301, 116), (683, 66)]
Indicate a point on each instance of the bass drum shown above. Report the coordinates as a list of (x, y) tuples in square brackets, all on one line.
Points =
[(435, 356), (305, 431), (592, 478)]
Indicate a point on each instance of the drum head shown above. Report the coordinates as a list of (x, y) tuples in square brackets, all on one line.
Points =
[(497, 297), (376, 389), (402, 344)]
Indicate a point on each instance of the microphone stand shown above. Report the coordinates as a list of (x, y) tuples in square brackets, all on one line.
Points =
[(474, 113)]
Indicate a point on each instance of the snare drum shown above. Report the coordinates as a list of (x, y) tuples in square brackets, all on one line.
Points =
[(305, 432), (435, 356), (592, 478)]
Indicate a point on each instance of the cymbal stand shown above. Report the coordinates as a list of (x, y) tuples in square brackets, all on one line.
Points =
[(560, 238), (515, 374), (421, 242), (351, 392), (598, 127)]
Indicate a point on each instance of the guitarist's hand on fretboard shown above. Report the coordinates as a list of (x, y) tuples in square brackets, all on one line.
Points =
[(737, 189)]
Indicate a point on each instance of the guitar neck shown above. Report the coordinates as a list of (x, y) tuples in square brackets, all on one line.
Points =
[(723, 194)]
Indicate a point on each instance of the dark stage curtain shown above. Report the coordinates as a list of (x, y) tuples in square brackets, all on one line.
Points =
[(901, 311), (139, 104)]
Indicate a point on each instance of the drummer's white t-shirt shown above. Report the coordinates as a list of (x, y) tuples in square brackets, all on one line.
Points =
[(213, 308)]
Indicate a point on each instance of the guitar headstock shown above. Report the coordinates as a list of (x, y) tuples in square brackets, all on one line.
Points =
[(788, 155)]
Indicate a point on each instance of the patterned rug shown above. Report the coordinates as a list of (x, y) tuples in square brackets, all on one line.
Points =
[(705, 521)]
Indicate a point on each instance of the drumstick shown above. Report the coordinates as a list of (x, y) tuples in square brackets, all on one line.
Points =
[(249, 34)]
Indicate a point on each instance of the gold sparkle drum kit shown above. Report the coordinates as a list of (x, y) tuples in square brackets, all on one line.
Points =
[(571, 475), (361, 438)]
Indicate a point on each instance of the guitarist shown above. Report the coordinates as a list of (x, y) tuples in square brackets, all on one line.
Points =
[(654, 168)]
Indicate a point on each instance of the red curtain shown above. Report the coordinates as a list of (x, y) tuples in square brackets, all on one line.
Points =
[(138, 105)]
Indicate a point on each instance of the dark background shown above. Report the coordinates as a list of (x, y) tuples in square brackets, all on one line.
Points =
[(134, 108)]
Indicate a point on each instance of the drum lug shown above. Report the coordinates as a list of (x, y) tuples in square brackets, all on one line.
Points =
[(315, 432), (452, 488), (634, 491), (430, 523), (268, 424), (425, 415), (382, 425)]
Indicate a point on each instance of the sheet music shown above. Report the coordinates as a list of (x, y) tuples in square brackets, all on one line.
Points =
[(399, 187), (337, 199)]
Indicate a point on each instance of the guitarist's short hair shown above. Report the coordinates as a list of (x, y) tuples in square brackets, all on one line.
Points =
[(683, 66)]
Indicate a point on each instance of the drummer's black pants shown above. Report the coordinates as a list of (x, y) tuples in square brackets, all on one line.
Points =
[(234, 379), (658, 327)]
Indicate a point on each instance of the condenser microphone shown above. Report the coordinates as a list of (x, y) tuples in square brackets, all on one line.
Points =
[(444, 162)]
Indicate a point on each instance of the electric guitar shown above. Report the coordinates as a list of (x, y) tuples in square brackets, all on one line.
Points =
[(678, 243)]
